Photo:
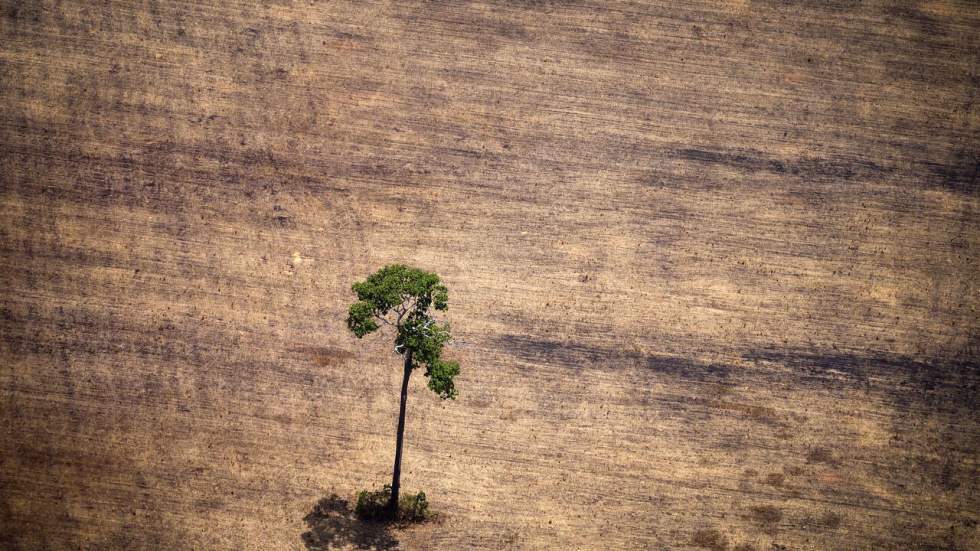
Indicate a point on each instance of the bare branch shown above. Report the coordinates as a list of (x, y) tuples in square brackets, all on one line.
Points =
[(403, 308)]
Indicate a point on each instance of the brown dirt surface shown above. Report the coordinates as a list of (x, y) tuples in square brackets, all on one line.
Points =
[(713, 272)]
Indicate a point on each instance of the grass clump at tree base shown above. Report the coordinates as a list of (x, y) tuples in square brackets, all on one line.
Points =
[(374, 506)]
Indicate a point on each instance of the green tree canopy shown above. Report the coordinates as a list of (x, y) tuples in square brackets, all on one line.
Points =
[(401, 296)]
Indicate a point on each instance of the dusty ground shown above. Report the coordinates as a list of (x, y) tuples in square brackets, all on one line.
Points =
[(713, 271)]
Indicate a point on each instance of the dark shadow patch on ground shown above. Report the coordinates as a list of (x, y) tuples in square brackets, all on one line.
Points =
[(937, 383), (332, 525), (918, 20), (809, 168), (959, 173), (580, 355), (941, 384)]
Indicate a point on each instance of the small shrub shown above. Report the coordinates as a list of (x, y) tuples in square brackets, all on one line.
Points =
[(413, 508), (766, 514), (710, 539), (821, 455), (373, 506), (831, 519), (775, 479)]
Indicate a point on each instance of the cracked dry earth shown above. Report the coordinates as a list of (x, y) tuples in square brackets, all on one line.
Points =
[(712, 269)]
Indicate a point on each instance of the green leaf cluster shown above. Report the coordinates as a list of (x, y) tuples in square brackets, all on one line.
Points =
[(373, 506), (401, 296)]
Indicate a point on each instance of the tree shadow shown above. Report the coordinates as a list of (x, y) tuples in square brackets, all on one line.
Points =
[(332, 525)]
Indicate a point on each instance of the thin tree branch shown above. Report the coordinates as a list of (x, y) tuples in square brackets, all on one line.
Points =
[(406, 306)]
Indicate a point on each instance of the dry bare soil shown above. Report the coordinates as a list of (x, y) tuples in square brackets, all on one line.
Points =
[(713, 271)]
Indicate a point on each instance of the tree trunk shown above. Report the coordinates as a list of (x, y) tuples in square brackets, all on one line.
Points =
[(396, 475)]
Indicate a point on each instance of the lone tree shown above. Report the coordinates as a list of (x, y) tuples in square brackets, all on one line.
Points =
[(400, 296)]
